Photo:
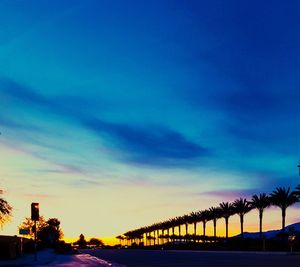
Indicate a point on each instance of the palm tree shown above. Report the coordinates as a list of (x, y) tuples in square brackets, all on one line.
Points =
[(260, 203), (283, 198), (185, 220), (179, 223), (204, 217), (227, 211), (215, 214), (194, 218), (241, 206), (120, 237)]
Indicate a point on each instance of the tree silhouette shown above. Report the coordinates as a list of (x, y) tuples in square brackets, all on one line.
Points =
[(215, 214), (194, 219), (50, 232), (81, 242), (283, 198), (179, 222), (96, 242), (28, 224), (121, 238), (227, 211), (204, 217), (260, 203), (5, 211), (241, 206), (280, 197)]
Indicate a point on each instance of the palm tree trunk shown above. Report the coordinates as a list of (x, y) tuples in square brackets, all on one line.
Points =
[(283, 218), (179, 228), (186, 232), (242, 225), (173, 234), (260, 223), (204, 228), (215, 228), (226, 224), (195, 232)]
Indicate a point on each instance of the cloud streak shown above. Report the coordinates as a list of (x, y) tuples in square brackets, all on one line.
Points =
[(149, 144)]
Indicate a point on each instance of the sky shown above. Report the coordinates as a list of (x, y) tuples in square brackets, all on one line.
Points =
[(118, 114)]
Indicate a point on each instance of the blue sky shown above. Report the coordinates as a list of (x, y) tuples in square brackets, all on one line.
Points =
[(200, 97)]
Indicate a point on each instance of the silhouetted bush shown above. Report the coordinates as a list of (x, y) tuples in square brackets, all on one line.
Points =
[(64, 248)]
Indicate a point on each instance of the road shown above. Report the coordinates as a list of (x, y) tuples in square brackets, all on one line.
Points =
[(147, 258)]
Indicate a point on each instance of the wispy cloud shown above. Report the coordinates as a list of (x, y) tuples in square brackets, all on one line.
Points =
[(148, 144), (231, 195), (38, 196)]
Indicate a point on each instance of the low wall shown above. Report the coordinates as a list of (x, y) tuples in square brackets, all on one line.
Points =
[(10, 247)]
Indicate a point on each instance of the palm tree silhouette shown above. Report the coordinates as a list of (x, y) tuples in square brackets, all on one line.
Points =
[(179, 222), (121, 238), (283, 198), (204, 217), (194, 218), (173, 224), (241, 206), (215, 214), (260, 203), (186, 220), (227, 211)]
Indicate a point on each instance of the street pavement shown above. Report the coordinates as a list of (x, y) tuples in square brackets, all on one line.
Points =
[(164, 258), (49, 258)]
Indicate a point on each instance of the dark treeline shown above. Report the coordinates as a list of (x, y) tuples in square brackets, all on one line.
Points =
[(164, 232)]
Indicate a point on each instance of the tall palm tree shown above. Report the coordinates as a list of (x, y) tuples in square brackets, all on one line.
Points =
[(227, 211), (283, 198), (194, 218), (121, 238), (241, 206), (215, 214), (173, 224), (179, 220), (204, 217), (186, 220), (260, 203)]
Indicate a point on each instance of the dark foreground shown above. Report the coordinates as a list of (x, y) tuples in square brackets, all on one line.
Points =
[(164, 258)]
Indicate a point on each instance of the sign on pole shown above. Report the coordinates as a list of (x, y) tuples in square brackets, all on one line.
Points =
[(23, 231)]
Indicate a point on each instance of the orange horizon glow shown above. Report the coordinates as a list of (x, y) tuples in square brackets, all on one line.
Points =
[(234, 226)]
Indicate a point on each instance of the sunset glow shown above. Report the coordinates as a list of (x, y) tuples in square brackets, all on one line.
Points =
[(115, 115)]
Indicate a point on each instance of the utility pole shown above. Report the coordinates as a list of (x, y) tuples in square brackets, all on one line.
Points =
[(35, 217)]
